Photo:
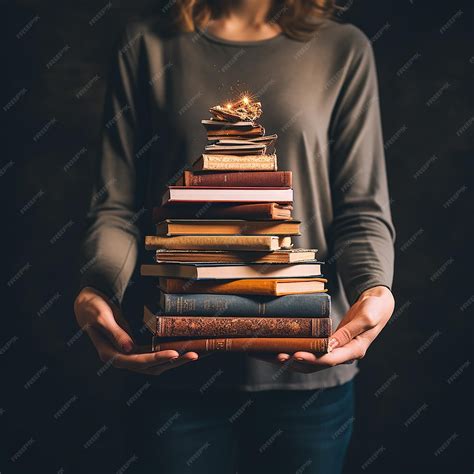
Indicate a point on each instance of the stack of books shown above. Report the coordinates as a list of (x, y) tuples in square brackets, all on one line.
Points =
[(228, 276)]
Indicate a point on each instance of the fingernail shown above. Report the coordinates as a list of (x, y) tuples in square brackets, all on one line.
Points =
[(333, 343), (299, 358), (284, 358), (127, 347)]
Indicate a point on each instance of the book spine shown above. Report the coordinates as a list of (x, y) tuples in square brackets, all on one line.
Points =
[(309, 306), (209, 242), (248, 345), (239, 163), (236, 287), (237, 179), (194, 326), (229, 211)]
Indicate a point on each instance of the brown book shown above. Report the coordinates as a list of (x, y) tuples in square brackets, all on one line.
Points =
[(213, 124), (267, 286), (231, 114), (236, 178), (264, 210), (243, 149), (243, 344), (253, 132), (222, 162), (227, 271), (223, 256), (218, 242), (172, 227), (228, 326)]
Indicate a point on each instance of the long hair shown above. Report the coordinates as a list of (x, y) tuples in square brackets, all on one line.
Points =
[(298, 19)]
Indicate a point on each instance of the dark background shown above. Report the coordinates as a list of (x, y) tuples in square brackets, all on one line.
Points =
[(414, 398)]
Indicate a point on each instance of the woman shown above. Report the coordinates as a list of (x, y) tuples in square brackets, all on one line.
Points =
[(317, 83)]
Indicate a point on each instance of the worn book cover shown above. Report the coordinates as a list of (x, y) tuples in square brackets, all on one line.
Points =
[(263, 286)]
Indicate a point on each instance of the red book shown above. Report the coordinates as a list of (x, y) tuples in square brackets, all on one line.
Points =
[(237, 179)]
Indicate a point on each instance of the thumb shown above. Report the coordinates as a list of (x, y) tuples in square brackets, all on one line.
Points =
[(347, 330), (118, 336)]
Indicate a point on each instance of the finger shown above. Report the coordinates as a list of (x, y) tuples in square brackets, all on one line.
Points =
[(134, 361), (353, 350), (171, 364), (277, 359), (118, 336), (143, 361), (188, 357), (347, 331)]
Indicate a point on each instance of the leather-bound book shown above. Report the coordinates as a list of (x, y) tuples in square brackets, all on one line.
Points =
[(316, 305), (218, 242), (236, 178), (194, 326), (264, 286), (245, 344), (172, 227), (265, 210)]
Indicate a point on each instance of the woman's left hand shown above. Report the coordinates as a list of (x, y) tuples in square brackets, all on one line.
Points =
[(359, 327)]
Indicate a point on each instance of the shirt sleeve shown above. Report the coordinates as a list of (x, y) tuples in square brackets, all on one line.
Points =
[(110, 247), (362, 231)]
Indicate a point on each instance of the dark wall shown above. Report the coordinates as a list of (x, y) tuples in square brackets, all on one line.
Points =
[(414, 400)]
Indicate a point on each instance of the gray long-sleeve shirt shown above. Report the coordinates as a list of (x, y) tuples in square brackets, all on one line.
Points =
[(320, 97)]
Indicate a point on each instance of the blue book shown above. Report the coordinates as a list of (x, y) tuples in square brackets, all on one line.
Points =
[(312, 305)]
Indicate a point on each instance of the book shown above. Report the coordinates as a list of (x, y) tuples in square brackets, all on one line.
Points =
[(225, 256), (172, 227), (236, 179), (224, 162), (317, 305), (228, 271), (241, 149), (266, 139), (239, 129), (243, 344), (218, 242), (264, 286), (244, 109), (223, 326), (226, 131), (213, 124), (207, 194), (265, 210)]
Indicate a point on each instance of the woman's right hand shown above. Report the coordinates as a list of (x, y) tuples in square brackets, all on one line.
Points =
[(100, 319)]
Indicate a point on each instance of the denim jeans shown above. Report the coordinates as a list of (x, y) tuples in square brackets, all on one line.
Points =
[(304, 431)]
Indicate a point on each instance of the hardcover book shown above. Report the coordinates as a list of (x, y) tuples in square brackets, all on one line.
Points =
[(243, 149), (249, 345), (206, 194), (236, 179), (228, 162), (171, 227), (223, 326), (223, 256), (228, 271), (218, 242), (317, 305), (263, 286), (266, 210)]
